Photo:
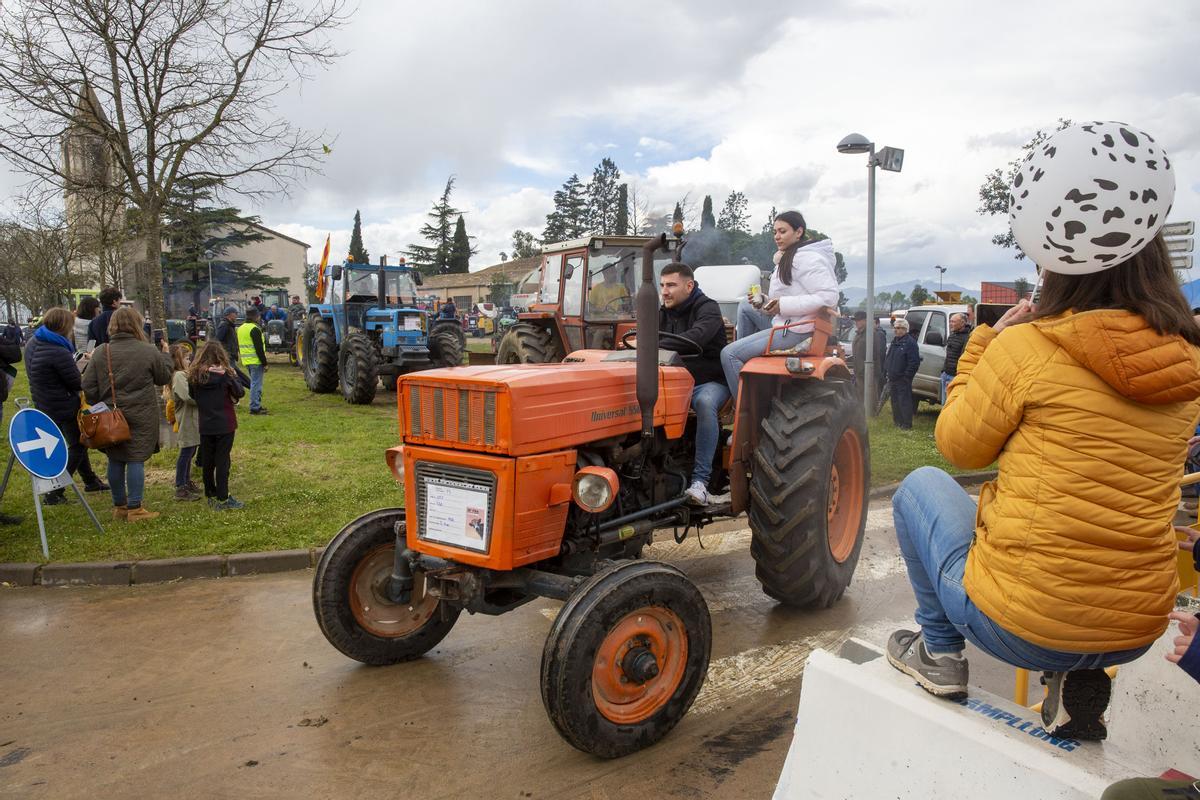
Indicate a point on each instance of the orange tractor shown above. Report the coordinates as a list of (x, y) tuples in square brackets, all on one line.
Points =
[(547, 480)]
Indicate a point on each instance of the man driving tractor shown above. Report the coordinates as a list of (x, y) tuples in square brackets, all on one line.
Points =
[(610, 295), (688, 313)]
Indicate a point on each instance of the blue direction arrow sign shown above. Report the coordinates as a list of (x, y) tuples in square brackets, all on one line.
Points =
[(37, 443)]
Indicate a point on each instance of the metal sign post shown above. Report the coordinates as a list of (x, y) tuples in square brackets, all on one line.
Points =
[(39, 446)]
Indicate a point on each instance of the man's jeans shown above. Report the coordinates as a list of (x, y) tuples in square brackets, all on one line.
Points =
[(707, 399), (256, 383), (750, 319), (946, 378), (935, 524)]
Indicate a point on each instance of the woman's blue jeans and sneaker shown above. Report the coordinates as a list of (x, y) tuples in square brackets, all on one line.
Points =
[(935, 524)]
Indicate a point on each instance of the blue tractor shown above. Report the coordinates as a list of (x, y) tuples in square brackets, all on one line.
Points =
[(370, 327)]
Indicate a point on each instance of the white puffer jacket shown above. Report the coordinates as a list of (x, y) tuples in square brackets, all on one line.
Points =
[(813, 285)]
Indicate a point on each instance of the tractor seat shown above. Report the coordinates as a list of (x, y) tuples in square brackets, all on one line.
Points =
[(666, 358), (801, 348)]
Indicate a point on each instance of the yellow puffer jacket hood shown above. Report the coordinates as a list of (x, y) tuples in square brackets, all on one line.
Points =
[(1087, 416)]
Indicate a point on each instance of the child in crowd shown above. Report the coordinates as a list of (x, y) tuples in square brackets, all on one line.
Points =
[(214, 386), (187, 424)]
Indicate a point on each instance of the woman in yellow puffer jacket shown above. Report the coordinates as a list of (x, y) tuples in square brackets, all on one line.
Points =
[(1067, 565)]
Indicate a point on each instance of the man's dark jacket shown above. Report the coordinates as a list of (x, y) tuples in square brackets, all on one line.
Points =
[(98, 328), (903, 359), (859, 355), (699, 319), (10, 353), (955, 344), (227, 336), (53, 379)]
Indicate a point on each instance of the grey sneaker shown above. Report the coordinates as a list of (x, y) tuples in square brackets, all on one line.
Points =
[(232, 504), (939, 675), (1075, 703)]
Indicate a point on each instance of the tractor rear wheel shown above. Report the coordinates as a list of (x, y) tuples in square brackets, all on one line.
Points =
[(625, 658), (359, 369), (447, 344), (528, 344), (352, 608), (808, 493), (319, 349)]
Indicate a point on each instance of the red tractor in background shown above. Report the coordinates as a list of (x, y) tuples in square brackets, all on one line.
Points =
[(546, 480)]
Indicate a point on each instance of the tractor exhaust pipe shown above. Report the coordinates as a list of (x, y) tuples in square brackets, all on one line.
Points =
[(381, 285), (647, 337)]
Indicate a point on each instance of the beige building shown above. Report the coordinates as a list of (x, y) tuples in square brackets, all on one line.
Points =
[(476, 287)]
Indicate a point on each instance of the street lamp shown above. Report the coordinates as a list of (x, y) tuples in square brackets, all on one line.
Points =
[(941, 272), (212, 311), (891, 159)]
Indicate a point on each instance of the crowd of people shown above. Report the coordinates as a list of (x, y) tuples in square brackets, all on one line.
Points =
[(100, 358)]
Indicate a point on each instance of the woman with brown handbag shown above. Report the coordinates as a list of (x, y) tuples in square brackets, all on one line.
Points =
[(125, 374)]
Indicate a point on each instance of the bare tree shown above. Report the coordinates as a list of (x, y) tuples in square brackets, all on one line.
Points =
[(639, 211), (160, 90), (37, 256)]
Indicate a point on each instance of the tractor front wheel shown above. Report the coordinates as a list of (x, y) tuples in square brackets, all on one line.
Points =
[(528, 344), (319, 355), (447, 344), (625, 658), (359, 370), (808, 493), (351, 604)]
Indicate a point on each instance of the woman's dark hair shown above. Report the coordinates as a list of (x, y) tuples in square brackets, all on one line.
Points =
[(1145, 285), (796, 220), (88, 308)]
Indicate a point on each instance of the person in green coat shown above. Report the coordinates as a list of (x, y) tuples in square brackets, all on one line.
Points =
[(138, 369)]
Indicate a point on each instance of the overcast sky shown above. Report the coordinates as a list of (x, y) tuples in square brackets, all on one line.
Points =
[(702, 97)]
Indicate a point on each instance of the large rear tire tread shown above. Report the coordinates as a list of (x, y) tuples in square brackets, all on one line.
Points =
[(528, 344), (331, 596), (359, 370), (789, 493), (447, 343), (580, 628), (320, 355)]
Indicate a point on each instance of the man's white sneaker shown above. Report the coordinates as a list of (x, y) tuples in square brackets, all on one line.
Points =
[(697, 494)]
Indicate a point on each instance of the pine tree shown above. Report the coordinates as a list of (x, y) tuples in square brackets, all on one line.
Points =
[(603, 198), (461, 251), (733, 215), (525, 245), (357, 252), (568, 220), (434, 258), (622, 228), (707, 220), (769, 228), (193, 226)]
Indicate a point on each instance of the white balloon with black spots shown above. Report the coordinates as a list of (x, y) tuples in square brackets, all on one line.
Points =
[(1091, 197)]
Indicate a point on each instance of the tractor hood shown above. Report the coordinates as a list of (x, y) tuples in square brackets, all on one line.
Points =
[(534, 408)]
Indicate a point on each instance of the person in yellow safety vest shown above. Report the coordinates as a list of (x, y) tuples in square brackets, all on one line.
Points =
[(253, 357)]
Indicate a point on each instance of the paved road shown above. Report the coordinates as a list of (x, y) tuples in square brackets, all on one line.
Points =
[(225, 688)]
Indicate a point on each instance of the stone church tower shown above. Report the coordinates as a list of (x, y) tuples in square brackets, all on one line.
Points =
[(95, 207)]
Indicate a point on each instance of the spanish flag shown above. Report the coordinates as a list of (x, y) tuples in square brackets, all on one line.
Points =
[(321, 271)]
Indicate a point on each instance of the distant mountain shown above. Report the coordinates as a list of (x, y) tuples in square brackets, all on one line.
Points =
[(856, 294)]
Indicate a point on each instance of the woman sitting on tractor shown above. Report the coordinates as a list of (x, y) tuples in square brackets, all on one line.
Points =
[(1086, 401), (802, 284)]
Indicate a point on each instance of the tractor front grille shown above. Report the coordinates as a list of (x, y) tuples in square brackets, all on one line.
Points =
[(460, 488), (465, 416)]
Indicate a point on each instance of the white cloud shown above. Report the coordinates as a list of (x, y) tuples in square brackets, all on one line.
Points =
[(652, 144)]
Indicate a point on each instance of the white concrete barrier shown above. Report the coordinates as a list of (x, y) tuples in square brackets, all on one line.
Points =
[(865, 730)]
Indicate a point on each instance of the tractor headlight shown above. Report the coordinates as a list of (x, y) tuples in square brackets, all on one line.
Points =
[(395, 462), (594, 488)]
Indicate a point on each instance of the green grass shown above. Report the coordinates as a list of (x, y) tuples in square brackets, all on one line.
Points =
[(305, 470), (479, 345)]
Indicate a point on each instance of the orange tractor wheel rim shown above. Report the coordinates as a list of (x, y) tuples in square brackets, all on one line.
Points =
[(845, 495), (626, 699), (370, 605)]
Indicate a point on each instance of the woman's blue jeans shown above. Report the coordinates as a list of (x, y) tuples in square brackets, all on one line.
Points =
[(935, 523), (127, 482), (735, 354)]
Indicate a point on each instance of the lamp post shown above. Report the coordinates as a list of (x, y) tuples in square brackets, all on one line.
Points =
[(890, 159), (208, 256), (941, 271)]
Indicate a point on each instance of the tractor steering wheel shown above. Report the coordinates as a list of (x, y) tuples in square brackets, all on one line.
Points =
[(689, 348)]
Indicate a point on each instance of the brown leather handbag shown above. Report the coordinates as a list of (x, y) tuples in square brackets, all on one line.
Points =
[(107, 428)]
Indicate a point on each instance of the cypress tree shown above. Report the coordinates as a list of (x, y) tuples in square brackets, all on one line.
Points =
[(622, 224), (677, 216), (707, 220), (460, 249), (357, 252)]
